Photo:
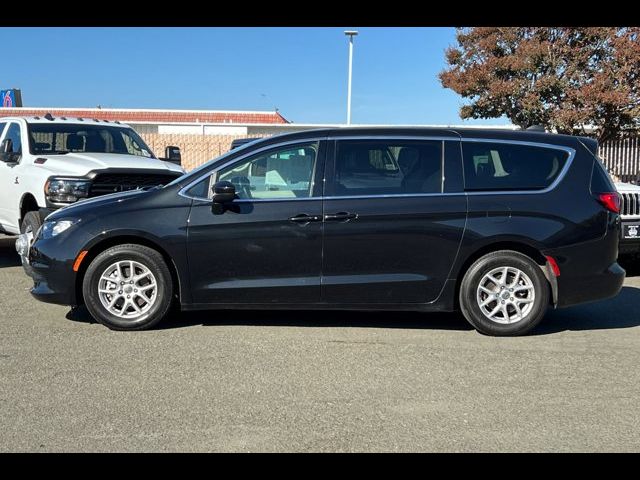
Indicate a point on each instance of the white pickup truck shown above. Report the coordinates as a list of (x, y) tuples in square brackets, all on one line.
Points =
[(47, 163)]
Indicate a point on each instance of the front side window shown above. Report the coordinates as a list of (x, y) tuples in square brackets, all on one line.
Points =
[(388, 167), (510, 166), (59, 139), (286, 172)]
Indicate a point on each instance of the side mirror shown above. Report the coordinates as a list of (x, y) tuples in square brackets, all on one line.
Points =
[(223, 192), (172, 154), (6, 151), (6, 146)]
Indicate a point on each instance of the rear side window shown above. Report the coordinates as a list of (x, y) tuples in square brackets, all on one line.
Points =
[(388, 167), (510, 166)]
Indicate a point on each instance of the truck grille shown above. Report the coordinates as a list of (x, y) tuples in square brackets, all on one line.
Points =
[(105, 183), (630, 206)]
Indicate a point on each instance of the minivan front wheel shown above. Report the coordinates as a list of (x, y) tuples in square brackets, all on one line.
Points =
[(128, 287), (504, 293)]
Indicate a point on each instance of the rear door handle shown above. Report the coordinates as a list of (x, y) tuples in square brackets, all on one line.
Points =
[(340, 217), (304, 218)]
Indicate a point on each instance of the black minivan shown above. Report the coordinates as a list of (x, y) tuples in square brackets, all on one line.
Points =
[(499, 224)]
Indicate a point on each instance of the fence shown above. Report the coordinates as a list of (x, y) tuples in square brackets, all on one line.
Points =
[(621, 157), (195, 149)]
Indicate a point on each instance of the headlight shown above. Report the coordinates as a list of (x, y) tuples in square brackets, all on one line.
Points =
[(66, 190), (56, 227)]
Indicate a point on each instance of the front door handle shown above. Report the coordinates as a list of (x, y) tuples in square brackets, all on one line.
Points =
[(340, 217), (304, 218)]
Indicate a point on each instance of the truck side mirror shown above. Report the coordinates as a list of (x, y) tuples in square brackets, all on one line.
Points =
[(172, 154), (6, 151)]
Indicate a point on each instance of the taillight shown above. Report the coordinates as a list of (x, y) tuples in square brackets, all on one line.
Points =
[(610, 201)]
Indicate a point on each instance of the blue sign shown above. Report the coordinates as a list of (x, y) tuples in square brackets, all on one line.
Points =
[(10, 98)]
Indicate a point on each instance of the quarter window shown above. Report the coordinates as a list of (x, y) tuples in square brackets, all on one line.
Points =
[(506, 166), (388, 167), (283, 173)]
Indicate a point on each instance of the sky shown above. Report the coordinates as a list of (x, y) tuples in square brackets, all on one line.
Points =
[(300, 71)]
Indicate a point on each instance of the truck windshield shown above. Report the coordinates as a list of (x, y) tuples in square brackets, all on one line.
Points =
[(59, 139)]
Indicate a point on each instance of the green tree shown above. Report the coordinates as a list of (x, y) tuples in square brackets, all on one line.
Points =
[(562, 78)]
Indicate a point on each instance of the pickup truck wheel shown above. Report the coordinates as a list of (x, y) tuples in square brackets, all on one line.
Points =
[(30, 223), (504, 293), (128, 287)]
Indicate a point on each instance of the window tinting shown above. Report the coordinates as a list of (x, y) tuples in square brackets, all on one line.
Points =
[(388, 168), (283, 173), (510, 166), (202, 189), (56, 138)]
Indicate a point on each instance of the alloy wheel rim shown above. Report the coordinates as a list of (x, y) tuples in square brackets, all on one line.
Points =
[(506, 295), (127, 289)]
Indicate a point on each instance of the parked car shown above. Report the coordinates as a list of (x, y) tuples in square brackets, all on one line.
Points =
[(47, 163), (630, 215), (498, 224)]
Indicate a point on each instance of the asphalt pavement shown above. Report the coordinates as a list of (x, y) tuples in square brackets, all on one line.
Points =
[(316, 381)]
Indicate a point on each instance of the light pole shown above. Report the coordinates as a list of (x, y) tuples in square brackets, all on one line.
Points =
[(350, 34)]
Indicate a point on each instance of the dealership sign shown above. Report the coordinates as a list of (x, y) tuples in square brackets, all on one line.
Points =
[(10, 98)]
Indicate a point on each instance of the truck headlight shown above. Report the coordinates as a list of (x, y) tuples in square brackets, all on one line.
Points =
[(66, 190), (56, 227)]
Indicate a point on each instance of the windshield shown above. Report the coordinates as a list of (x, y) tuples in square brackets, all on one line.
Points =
[(59, 139)]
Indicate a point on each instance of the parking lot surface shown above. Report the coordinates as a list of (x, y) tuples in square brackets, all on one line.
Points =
[(316, 381)]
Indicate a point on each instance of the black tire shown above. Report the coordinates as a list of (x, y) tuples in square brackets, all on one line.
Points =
[(469, 303), (30, 223), (149, 258)]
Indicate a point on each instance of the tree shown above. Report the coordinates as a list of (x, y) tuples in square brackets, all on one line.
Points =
[(565, 79)]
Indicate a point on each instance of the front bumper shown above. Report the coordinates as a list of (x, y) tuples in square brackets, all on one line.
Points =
[(51, 269)]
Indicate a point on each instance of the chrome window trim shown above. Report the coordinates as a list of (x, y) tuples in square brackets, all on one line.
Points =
[(183, 190), (553, 185), (373, 138)]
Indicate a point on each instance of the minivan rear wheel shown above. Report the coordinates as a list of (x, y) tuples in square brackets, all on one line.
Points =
[(128, 287), (504, 293)]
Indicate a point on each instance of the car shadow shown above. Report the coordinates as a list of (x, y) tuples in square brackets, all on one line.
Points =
[(618, 312), (301, 318), (8, 255)]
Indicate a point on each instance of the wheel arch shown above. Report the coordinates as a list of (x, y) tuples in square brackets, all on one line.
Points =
[(531, 251), (99, 246), (28, 203)]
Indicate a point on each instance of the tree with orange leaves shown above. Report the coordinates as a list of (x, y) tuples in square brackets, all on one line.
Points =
[(566, 79)]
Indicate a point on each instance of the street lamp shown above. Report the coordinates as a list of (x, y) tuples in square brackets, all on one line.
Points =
[(350, 34)]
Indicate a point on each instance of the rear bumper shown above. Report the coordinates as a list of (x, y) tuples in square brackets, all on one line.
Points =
[(590, 288)]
